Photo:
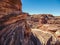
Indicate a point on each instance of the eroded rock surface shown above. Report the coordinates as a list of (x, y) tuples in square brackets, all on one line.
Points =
[(14, 29), (46, 23), (15, 26), (10, 6)]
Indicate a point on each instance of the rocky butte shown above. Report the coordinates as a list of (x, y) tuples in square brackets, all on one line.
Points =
[(19, 28)]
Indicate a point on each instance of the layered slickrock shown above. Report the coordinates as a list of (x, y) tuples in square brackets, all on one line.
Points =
[(10, 6), (46, 38), (46, 23), (16, 26), (14, 29)]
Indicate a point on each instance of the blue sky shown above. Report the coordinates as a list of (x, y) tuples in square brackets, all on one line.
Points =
[(41, 7)]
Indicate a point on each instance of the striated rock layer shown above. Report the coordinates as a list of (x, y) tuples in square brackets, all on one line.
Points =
[(14, 29), (10, 6), (46, 27), (10, 11)]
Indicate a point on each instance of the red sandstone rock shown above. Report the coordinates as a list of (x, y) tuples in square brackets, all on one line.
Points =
[(10, 6), (14, 29)]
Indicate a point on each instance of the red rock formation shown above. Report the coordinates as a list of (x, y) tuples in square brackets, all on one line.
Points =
[(13, 25), (10, 6), (14, 29), (10, 11)]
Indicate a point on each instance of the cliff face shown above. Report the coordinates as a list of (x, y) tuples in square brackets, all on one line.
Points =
[(14, 29), (10, 11), (10, 6)]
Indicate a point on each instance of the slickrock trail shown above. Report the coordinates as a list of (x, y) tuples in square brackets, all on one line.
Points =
[(46, 38)]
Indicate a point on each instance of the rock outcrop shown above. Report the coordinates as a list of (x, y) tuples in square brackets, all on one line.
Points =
[(10, 6), (46, 23), (16, 26), (14, 29), (10, 10)]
